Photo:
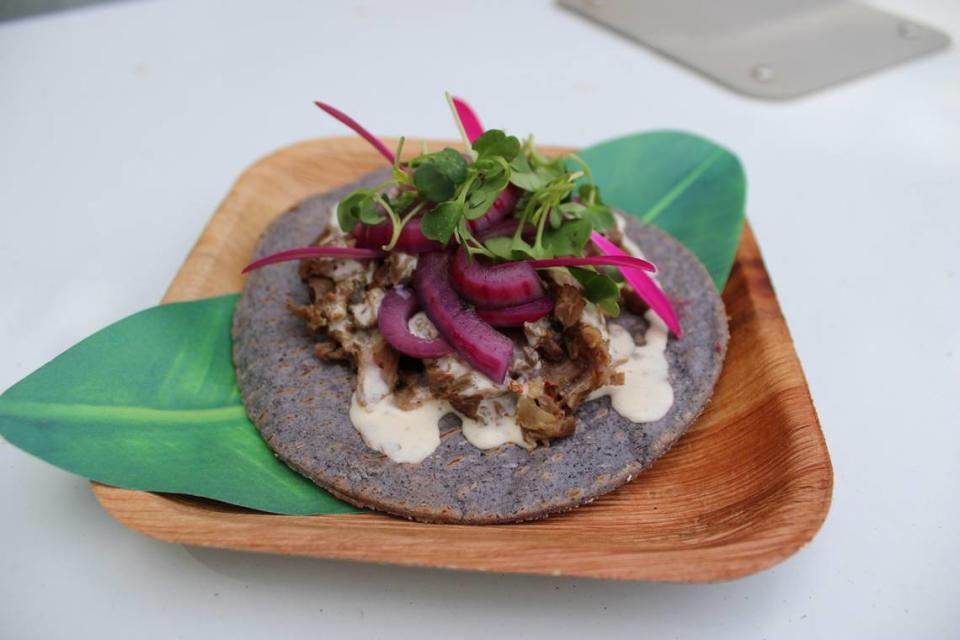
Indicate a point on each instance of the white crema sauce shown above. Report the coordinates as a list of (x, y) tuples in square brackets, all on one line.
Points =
[(646, 394), (411, 436)]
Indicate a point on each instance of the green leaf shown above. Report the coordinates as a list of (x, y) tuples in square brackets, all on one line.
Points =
[(433, 184), (359, 206), (400, 176), (556, 217), (526, 181), (501, 247), (574, 208), (596, 286), (569, 239), (550, 168), (439, 174), (480, 201), (521, 249), (688, 186), (520, 164), (589, 193), (497, 143), (485, 188), (556, 243), (599, 288), (370, 216), (600, 217), (439, 222), (578, 232), (491, 168), (402, 202), (610, 306), (523, 176), (151, 403)]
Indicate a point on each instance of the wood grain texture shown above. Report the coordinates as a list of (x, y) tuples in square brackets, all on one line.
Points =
[(745, 488)]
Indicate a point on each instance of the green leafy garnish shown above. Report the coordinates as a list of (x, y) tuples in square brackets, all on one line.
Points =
[(568, 239), (558, 199), (440, 222), (439, 175), (402, 202), (501, 247), (600, 217), (599, 288), (495, 142), (492, 175), (523, 176), (359, 206)]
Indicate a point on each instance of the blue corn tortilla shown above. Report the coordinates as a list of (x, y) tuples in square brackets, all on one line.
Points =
[(300, 404)]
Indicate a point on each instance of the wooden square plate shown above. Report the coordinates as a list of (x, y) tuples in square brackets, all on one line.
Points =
[(745, 488)]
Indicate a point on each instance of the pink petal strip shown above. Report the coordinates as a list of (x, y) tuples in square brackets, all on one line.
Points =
[(621, 261), (363, 133), (469, 119), (302, 253), (646, 288)]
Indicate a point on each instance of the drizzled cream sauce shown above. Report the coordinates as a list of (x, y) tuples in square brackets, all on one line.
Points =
[(646, 394), (411, 436), (404, 436), (498, 425)]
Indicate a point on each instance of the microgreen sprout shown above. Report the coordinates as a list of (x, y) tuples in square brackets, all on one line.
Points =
[(468, 147), (461, 196)]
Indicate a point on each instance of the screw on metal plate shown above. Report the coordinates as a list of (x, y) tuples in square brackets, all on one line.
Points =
[(763, 73)]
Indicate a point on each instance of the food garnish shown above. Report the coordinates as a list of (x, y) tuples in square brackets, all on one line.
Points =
[(645, 287), (360, 131), (501, 202), (303, 253)]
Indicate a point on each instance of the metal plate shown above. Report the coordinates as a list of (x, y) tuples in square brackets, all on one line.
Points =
[(772, 49)]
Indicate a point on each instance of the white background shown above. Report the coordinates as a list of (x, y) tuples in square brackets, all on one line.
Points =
[(122, 127)]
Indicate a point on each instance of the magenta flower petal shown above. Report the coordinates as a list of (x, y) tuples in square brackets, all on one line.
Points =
[(363, 133), (302, 253), (646, 288), (469, 120), (621, 261)]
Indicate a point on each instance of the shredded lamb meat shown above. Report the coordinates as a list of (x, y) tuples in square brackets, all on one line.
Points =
[(558, 360)]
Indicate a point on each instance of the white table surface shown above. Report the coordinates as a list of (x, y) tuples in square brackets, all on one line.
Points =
[(122, 127)]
